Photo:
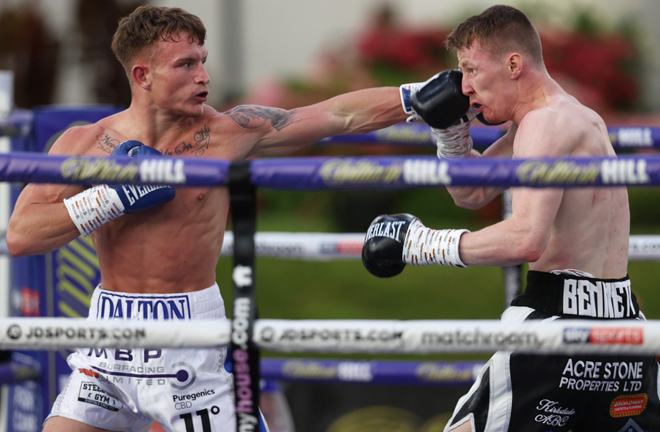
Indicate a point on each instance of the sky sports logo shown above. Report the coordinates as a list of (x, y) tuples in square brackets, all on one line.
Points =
[(604, 336)]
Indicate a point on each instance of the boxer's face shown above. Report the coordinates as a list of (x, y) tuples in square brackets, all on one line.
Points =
[(486, 82), (179, 78)]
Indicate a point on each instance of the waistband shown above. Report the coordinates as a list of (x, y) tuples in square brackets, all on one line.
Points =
[(579, 297), (203, 304)]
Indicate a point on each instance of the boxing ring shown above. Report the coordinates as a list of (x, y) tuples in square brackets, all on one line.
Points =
[(248, 335)]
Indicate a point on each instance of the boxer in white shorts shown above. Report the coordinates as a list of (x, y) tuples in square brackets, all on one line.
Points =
[(129, 389)]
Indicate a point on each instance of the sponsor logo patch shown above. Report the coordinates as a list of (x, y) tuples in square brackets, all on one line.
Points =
[(628, 405), (617, 336), (576, 335), (600, 299), (89, 373), (111, 305), (93, 394), (604, 336), (552, 414)]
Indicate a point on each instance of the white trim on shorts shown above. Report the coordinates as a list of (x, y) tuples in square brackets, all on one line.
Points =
[(501, 392)]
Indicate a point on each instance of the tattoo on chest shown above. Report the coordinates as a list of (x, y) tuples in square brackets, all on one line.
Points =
[(197, 147), (106, 143), (253, 117)]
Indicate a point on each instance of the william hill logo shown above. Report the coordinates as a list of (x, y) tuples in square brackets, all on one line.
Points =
[(442, 373), (609, 171), (101, 170), (533, 173), (343, 171), (107, 170)]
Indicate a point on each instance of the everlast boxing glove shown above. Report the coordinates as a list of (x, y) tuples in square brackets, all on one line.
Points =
[(98, 205), (443, 106), (440, 102), (392, 241), (137, 198), (454, 76), (382, 252)]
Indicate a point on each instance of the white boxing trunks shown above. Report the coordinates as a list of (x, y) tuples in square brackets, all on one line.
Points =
[(128, 389)]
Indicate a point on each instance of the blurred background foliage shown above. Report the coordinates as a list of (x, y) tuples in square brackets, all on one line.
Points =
[(599, 64)]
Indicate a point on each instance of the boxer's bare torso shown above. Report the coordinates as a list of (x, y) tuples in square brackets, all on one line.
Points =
[(553, 229), (590, 230), (174, 247)]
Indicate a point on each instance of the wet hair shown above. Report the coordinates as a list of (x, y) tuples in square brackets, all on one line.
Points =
[(501, 30), (147, 25)]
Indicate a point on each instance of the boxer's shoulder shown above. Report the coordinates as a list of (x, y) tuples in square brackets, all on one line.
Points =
[(91, 139), (548, 131), (561, 112), (227, 135)]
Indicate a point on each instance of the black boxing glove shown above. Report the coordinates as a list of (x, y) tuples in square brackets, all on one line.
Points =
[(440, 102), (392, 241), (382, 252)]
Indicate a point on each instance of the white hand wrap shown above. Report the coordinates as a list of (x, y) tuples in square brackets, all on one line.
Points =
[(455, 141), (94, 207), (406, 91), (426, 246)]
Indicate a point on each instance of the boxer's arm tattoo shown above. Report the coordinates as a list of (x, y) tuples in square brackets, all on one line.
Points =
[(253, 116), (198, 146), (106, 143)]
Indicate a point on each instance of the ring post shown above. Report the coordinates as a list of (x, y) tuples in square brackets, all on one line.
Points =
[(244, 352), (512, 275)]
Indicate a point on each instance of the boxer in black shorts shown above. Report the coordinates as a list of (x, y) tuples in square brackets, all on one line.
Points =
[(521, 392), (505, 79)]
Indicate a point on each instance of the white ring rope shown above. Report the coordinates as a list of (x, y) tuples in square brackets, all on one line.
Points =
[(303, 246), (56, 333), (345, 336), (326, 247), (644, 248), (348, 246)]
